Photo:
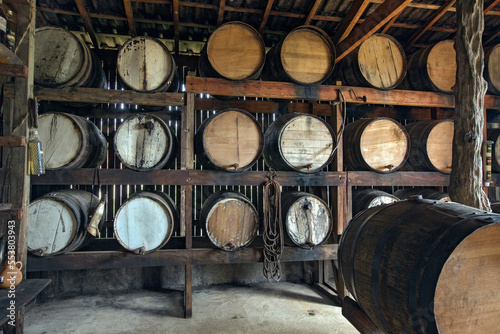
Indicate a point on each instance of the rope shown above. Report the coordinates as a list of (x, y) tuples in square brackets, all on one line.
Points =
[(273, 229)]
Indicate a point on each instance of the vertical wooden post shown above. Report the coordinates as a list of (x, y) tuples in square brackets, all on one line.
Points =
[(466, 180)]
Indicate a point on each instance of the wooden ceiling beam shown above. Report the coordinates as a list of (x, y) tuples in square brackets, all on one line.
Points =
[(380, 16), (266, 15), (490, 6), (175, 12), (434, 18), (312, 12), (130, 17), (357, 9), (222, 7), (391, 23), (86, 21), (497, 34)]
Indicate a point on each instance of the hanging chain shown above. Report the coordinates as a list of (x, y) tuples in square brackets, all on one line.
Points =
[(273, 229)]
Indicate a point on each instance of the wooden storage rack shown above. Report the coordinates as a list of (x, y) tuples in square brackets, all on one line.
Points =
[(184, 253)]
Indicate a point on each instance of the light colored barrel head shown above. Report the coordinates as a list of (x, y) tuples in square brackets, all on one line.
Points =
[(440, 145), (442, 65)]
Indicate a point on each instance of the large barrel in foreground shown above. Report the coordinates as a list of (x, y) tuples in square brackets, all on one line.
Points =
[(234, 51), (63, 60), (299, 142), (306, 56), (71, 141), (377, 144), (307, 220), (58, 222), (229, 219), (230, 140), (422, 266), (145, 221)]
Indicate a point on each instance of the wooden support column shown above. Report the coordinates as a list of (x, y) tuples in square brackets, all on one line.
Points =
[(466, 180)]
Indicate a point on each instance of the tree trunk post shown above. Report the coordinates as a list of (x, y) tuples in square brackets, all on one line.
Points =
[(466, 181)]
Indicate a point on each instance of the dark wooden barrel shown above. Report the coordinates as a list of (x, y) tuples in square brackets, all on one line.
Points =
[(307, 220), (229, 219), (377, 144), (426, 193), (423, 266), (58, 222), (234, 51), (145, 142), (299, 142), (144, 64), (71, 141), (306, 56), (431, 145), (230, 140), (145, 221), (363, 199), (63, 60), (379, 62), (492, 69), (494, 136), (433, 68)]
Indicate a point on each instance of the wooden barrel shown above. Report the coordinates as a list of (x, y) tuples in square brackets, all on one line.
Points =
[(230, 140), (145, 221), (423, 266), (144, 64), (494, 136), (234, 51), (363, 199), (229, 219), (426, 193), (431, 145), (307, 220), (379, 62), (433, 68), (71, 141), (145, 142), (299, 142), (378, 144), (495, 207), (492, 69), (63, 60), (306, 56), (58, 222)]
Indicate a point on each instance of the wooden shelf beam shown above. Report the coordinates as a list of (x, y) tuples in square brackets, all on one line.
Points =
[(116, 259), (16, 141), (415, 179), (10, 70)]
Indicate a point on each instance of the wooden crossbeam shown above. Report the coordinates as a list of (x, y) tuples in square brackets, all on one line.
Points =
[(175, 12), (220, 17), (86, 20), (357, 9), (390, 24), (130, 17), (434, 18), (383, 14), (313, 11), (497, 34), (490, 6), (265, 16)]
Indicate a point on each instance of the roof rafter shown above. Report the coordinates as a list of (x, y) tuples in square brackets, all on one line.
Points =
[(175, 13), (380, 16), (222, 7), (434, 18), (266, 15), (357, 9), (490, 6), (130, 16), (391, 23), (86, 20), (312, 12), (497, 34)]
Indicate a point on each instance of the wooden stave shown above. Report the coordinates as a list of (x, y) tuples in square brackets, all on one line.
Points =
[(82, 208), (272, 150), (362, 199), (418, 159), (288, 198), (273, 68), (353, 158), (201, 151), (160, 198), (205, 68), (494, 136), (348, 70), (492, 89), (211, 202), (426, 193), (92, 153), (417, 74), (455, 223), (171, 84), (167, 160)]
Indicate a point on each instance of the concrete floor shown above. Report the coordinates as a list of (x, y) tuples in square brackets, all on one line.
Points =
[(262, 308)]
